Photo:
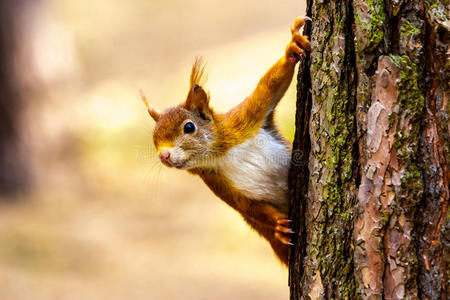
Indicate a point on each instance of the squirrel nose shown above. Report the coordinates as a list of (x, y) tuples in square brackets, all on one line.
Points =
[(164, 156)]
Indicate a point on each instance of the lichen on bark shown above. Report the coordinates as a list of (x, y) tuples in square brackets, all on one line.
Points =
[(369, 21), (331, 163), (376, 210), (391, 179)]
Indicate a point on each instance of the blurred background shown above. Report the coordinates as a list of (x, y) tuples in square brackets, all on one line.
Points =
[(86, 209)]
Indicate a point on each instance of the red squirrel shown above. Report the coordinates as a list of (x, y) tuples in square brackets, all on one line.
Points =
[(240, 154)]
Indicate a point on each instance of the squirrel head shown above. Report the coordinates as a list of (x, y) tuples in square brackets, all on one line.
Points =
[(184, 135)]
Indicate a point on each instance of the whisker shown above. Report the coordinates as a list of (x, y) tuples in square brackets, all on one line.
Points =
[(156, 178), (160, 170), (150, 175)]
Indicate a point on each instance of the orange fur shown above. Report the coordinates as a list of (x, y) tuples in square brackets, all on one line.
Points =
[(198, 72), (216, 134)]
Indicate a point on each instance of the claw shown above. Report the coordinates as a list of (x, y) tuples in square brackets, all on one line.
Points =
[(299, 22), (284, 239), (284, 229), (284, 221)]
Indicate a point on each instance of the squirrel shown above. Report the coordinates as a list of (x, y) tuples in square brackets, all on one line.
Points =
[(240, 154)]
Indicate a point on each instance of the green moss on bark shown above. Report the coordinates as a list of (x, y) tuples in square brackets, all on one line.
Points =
[(410, 37), (334, 130), (369, 21), (411, 101)]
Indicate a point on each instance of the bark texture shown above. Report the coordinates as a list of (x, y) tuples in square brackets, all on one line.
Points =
[(370, 194)]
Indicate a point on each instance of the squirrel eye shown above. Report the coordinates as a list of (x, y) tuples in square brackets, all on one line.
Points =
[(189, 128)]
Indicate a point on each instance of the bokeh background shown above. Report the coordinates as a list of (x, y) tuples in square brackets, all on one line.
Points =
[(93, 214)]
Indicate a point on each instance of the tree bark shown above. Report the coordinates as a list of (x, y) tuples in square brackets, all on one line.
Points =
[(14, 175), (369, 178)]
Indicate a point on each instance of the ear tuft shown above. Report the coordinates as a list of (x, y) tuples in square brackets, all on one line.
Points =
[(151, 110), (198, 75), (198, 100)]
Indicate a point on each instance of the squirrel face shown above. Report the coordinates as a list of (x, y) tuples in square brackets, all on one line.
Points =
[(184, 135)]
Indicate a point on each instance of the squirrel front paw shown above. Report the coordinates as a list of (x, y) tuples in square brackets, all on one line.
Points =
[(298, 43), (283, 231)]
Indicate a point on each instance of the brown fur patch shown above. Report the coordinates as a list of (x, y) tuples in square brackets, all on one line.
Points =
[(168, 127)]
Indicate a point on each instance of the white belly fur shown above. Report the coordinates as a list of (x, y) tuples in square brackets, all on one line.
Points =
[(259, 168)]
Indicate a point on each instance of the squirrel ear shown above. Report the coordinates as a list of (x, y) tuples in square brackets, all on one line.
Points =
[(198, 101), (151, 110)]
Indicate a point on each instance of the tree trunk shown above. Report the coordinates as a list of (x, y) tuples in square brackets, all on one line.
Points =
[(13, 167), (369, 177)]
